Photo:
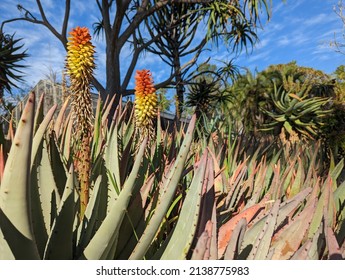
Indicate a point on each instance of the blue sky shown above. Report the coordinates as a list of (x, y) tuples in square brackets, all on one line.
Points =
[(299, 30)]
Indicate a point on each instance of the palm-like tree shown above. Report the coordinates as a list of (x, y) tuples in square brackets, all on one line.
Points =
[(10, 57)]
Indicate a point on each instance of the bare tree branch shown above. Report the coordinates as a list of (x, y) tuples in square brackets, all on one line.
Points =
[(66, 19)]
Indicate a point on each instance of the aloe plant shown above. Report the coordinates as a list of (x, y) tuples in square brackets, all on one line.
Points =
[(296, 113), (173, 197)]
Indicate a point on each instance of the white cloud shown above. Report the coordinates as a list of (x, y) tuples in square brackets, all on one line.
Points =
[(263, 56)]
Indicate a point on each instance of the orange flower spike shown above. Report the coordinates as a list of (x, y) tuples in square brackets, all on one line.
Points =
[(80, 56), (80, 65), (145, 100)]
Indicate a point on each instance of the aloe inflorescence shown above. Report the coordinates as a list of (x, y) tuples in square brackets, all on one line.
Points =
[(145, 102), (80, 66)]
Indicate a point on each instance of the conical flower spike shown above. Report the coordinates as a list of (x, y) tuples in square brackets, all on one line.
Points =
[(80, 66), (145, 102)]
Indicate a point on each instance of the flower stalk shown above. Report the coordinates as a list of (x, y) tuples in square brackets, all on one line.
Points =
[(80, 65)]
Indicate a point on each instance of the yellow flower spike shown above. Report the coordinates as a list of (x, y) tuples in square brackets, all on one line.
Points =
[(80, 65)]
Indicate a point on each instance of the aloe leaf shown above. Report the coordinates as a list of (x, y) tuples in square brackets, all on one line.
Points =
[(60, 241), (284, 211), (5, 250), (103, 241), (57, 165), (201, 246), (97, 131), (15, 220), (298, 180), (289, 238), (339, 199), (226, 230), (169, 187), (208, 215), (44, 197), (2, 162), (310, 249), (234, 245), (262, 244), (111, 155), (86, 227), (182, 237), (334, 173), (134, 224), (40, 131), (66, 138), (60, 119), (39, 113), (326, 200), (334, 252), (106, 110), (236, 183)]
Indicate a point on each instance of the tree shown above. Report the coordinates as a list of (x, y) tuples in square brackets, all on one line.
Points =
[(123, 21), (339, 10), (10, 58), (174, 44)]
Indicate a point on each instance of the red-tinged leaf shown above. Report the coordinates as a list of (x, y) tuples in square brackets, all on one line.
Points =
[(226, 230), (202, 250), (201, 246), (59, 123), (302, 252), (235, 242), (10, 132), (146, 188), (334, 252), (208, 212), (219, 185), (289, 238)]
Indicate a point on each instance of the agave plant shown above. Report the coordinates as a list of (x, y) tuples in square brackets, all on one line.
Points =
[(296, 112)]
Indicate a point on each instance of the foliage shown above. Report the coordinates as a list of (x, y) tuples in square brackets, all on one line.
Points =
[(11, 57), (164, 103), (123, 25), (270, 97), (173, 198), (339, 87), (296, 113)]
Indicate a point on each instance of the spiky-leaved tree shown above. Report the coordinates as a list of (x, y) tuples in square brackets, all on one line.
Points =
[(10, 58)]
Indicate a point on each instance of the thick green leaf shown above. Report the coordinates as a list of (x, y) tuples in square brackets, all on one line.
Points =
[(181, 240), (15, 219)]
